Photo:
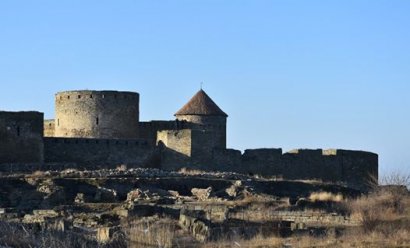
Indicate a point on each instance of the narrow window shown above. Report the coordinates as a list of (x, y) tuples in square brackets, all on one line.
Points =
[(97, 121), (79, 96), (68, 97), (18, 130), (58, 122), (91, 96)]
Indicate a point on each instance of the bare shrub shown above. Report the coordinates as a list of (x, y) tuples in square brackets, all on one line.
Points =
[(378, 208), (396, 178), (17, 235), (325, 196)]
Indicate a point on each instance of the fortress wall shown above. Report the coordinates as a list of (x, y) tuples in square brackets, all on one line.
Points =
[(21, 137), (148, 130), (177, 140), (304, 164), (262, 162), (359, 168), (97, 114), (190, 147), (97, 152), (354, 168), (332, 166), (215, 124), (203, 146), (49, 128), (226, 160), (175, 148)]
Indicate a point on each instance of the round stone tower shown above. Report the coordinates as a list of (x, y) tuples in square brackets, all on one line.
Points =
[(97, 114), (203, 113)]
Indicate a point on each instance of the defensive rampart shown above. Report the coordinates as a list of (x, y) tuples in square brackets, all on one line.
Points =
[(95, 153), (356, 169), (21, 137)]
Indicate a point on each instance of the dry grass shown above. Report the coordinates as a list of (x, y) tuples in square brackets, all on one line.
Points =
[(258, 241), (352, 239), (325, 196), (378, 208), (384, 216), (191, 172), (15, 235), (151, 233)]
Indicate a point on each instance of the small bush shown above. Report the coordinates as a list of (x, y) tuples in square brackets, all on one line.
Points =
[(378, 208)]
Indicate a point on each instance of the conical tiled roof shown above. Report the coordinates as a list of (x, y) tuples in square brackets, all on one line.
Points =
[(201, 104)]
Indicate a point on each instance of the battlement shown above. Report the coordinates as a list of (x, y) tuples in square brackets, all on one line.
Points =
[(96, 95), (108, 142)]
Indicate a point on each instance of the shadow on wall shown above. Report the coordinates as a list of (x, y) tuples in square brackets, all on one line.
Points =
[(172, 160)]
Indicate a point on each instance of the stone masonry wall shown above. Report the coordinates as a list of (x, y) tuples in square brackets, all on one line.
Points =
[(49, 128), (97, 114), (148, 130), (21, 137), (176, 149), (214, 124), (357, 169), (97, 152)]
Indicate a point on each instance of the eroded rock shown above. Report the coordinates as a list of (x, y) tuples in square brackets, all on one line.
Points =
[(202, 194)]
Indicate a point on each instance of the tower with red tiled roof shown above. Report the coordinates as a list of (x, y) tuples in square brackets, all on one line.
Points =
[(204, 114)]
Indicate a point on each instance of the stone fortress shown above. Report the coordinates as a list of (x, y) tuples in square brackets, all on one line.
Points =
[(101, 129)]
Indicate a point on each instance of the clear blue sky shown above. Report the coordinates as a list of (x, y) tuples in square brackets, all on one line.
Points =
[(291, 74)]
